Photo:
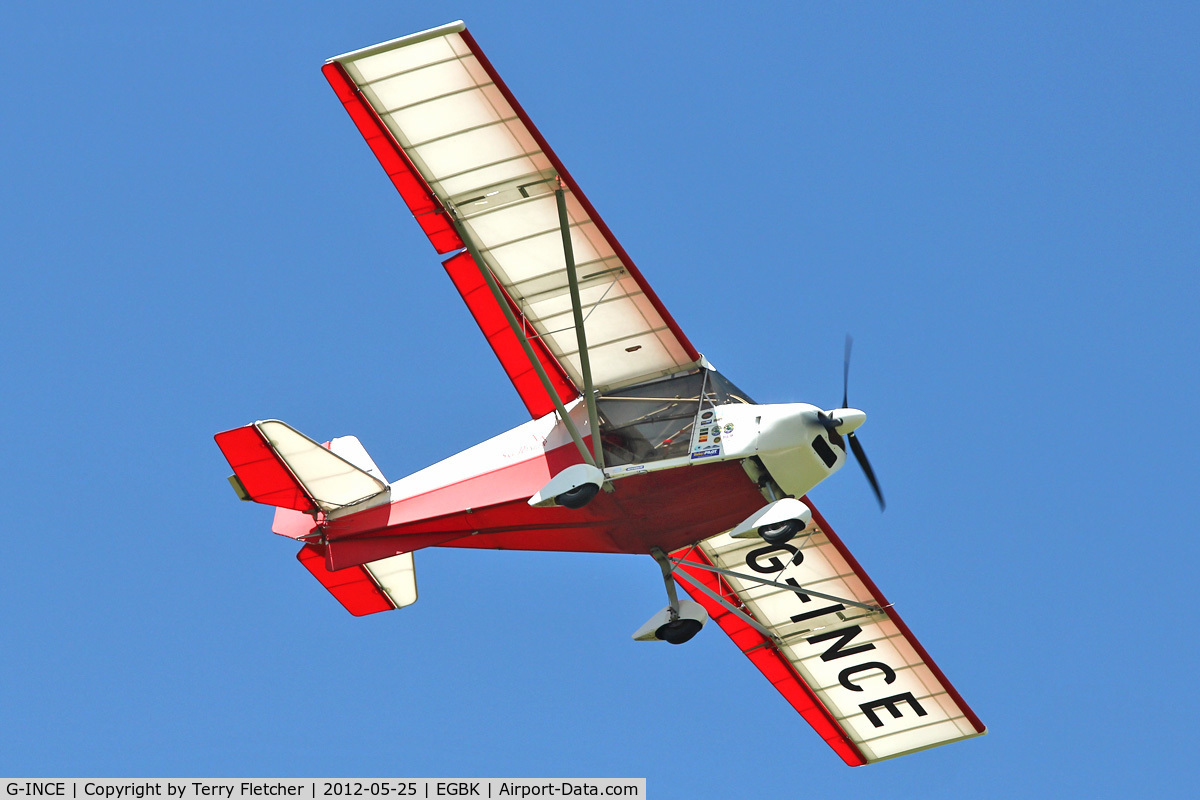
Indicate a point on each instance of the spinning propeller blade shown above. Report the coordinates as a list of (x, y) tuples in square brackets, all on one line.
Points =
[(846, 372), (857, 449), (855, 446)]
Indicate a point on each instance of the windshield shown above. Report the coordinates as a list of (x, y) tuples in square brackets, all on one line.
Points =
[(653, 421)]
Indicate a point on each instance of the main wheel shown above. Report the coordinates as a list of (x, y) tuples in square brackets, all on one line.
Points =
[(781, 532), (578, 497), (679, 631)]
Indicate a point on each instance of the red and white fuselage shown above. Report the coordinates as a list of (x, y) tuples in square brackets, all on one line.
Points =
[(689, 470), (479, 497)]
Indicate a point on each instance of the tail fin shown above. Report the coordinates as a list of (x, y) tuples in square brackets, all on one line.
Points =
[(277, 465)]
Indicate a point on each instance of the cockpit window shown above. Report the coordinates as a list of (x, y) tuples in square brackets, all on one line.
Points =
[(653, 421), (720, 390)]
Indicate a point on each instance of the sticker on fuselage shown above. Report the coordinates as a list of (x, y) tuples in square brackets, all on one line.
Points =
[(707, 437)]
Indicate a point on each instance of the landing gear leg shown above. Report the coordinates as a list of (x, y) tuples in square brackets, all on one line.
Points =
[(678, 628)]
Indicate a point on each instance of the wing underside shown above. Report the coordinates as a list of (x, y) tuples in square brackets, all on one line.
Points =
[(468, 162), (829, 642)]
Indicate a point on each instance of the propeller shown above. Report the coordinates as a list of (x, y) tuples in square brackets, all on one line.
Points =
[(831, 425)]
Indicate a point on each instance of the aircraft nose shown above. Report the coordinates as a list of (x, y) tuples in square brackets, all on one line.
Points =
[(848, 419)]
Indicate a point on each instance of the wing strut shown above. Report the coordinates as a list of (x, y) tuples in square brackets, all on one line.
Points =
[(473, 249), (728, 606), (679, 562), (664, 564), (585, 365)]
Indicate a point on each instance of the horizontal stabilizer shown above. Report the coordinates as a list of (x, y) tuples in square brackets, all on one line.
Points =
[(279, 466), (382, 585)]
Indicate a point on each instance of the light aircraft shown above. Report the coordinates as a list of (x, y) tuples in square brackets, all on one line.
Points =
[(636, 444)]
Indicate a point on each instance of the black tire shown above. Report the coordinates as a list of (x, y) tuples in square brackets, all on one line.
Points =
[(679, 631), (578, 497), (781, 532)]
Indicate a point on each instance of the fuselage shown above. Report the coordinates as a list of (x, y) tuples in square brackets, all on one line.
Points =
[(724, 463)]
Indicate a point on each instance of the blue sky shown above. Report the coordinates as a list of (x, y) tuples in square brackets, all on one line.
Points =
[(999, 203)]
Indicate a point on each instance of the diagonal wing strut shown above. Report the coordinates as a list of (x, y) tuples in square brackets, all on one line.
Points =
[(490, 279), (585, 364), (679, 562)]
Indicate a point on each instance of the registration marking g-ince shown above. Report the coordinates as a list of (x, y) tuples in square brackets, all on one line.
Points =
[(875, 681)]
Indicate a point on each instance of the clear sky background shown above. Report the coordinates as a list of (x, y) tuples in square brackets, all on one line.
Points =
[(1000, 203)]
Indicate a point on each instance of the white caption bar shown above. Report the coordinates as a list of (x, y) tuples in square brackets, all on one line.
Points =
[(319, 788)]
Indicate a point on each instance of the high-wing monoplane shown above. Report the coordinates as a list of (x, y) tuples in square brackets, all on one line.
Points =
[(636, 444)]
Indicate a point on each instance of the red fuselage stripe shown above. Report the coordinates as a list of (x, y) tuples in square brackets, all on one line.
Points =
[(667, 509)]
